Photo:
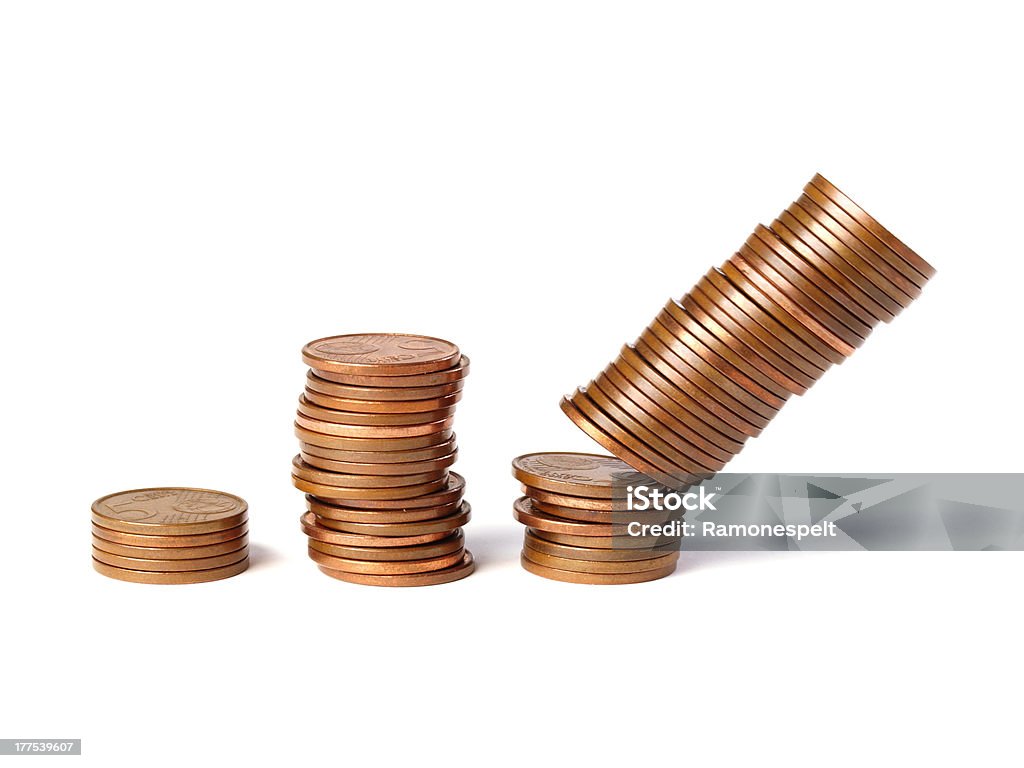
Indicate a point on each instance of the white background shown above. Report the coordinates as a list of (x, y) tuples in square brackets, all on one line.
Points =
[(190, 191)]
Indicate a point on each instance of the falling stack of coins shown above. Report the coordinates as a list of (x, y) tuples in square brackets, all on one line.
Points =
[(170, 535), (575, 513), (376, 445), (714, 367)]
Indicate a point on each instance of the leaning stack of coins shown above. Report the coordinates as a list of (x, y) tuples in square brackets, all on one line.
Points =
[(714, 367), (575, 513), (170, 535), (376, 445)]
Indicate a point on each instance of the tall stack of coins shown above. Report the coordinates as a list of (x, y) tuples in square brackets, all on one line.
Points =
[(376, 446), (715, 366), (170, 535), (574, 510)]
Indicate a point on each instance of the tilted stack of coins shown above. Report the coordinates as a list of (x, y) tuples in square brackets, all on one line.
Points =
[(376, 445), (575, 510), (714, 367), (170, 535)]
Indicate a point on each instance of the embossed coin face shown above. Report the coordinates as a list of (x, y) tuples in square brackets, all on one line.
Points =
[(169, 511), (575, 474), (382, 354)]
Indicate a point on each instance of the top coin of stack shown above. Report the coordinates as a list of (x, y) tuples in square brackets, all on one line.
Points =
[(376, 444), (170, 535), (714, 367)]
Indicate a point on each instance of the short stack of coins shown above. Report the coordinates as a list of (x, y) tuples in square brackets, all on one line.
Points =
[(376, 447), (714, 367), (575, 513), (170, 535)]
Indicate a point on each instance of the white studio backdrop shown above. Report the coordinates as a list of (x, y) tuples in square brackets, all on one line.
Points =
[(191, 191)]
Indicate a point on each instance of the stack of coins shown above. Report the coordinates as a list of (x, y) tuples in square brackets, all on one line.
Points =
[(376, 444), (170, 535), (714, 367), (575, 513)]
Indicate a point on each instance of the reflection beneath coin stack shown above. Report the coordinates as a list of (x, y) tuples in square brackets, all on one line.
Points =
[(376, 446)]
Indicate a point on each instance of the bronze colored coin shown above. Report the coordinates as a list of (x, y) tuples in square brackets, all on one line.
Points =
[(811, 281), (439, 527), (452, 491), (170, 566), (178, 577), (601, 515), (313, 475), (381, 394), (350, 514), (171, 553), (149, 541), (577, 474), (459, 571), (690, 368), (363, 468), (357, 418), (445, 546), (392, 407), (377, 354), (448, 376), (649, 543), (575, 577), (689, 397), (364, 432), (922, 270), (645, 427), (372, 444), (368, 494), (870, 248), (385, 567), (600, 566), (580, 502), (314, 530), (526, 513), (169, 511), (385, 456), (594, 554)]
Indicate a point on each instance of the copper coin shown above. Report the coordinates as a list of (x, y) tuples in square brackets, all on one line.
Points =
[(799, 290), (362, 468), (315, 530), (384, 455), (169, 511), (600, 566), (392, 407), (812, 282), (439, 525), (171, 553), (594, 554), (445, 546), (581, 502), (380, 354), (350, 514), (382, 394), (385, 567), (451, 491), (372, 444), (576, 474), (368, 494), (596, 515), (922, 270), (456, 373), (363, 432), (824, 243), (313, 475), (575, 577), (170, 566), (870, 248), (688, 397), (444, 576), (377, 419), (180, 577), (526, 513), (761, 324), (150, 541), (605, 542), (615, 402)]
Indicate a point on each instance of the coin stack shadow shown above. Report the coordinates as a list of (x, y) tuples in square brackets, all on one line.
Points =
[(714, 367), (170, 535), (376, 447), (574, 510)]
